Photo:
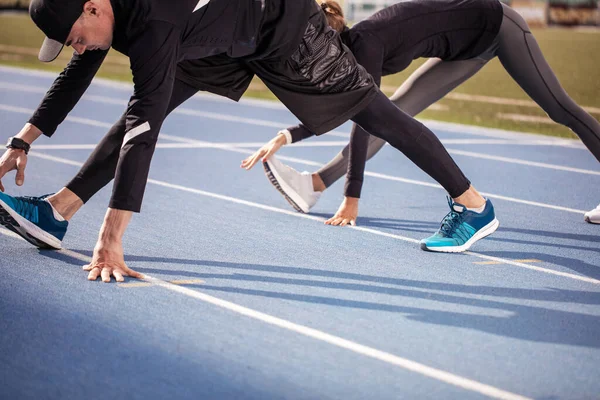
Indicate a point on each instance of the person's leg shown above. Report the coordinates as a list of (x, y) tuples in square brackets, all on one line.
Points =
[(428, 84), (384, 120), (522, 58), (43, 221), (471, 217), (99, 169)]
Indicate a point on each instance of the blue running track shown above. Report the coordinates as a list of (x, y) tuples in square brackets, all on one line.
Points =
[(247, 299)]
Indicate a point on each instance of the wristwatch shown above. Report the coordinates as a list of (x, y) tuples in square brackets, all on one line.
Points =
[(16, 143)]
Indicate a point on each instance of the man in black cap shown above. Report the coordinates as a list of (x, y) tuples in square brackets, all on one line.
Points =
[(175, 49)]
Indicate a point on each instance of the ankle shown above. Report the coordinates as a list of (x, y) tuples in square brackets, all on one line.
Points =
[(470, 199), (65, 203), (318, 184)]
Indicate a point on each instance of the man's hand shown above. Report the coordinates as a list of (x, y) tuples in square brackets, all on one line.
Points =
[(346, 214), (264, 152), (17, 159), (108, 254), (108, 261), (13, 159)]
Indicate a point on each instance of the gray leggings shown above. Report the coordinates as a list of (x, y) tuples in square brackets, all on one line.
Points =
[(522, 58)]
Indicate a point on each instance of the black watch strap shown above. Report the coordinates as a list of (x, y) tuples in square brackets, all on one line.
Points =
[(16, 143)]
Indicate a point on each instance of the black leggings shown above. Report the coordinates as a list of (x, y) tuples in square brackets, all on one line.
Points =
[(386, 121)]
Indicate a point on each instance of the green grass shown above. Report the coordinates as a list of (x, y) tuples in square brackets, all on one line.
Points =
[(573, 55)]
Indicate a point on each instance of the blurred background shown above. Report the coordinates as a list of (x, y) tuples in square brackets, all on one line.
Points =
[(568, 32)]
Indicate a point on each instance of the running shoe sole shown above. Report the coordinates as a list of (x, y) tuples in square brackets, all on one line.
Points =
[(290, 195), (480, 234), (589, 220), (27, 230)]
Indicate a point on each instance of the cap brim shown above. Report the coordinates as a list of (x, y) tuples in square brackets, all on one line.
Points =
[(50, 50)]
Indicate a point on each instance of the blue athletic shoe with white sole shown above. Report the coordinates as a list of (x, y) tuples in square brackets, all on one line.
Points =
[(32, 218), (461, 228)]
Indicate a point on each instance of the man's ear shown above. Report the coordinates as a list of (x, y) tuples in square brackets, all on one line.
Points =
[(90, 8)]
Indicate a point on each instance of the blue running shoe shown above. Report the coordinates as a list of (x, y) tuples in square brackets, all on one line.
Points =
[(461, 228), (32, 218)]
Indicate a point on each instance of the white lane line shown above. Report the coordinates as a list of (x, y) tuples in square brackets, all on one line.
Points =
[(522, 162), (532, 203), (416, 367), (207, 145), (320, 219), (494, 100), (275, 105), (320, 143), (324, 143), (29, 111), (525, 118), (313, 163), (515, 138), (534, 268), (486, 194), (506, 101), (92, 122)]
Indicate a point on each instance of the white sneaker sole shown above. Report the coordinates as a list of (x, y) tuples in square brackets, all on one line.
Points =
[(480, 234), (589, 220), (290, 194), (26, 229)]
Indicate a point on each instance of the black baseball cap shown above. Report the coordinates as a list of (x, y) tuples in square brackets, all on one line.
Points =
[(55, 18)]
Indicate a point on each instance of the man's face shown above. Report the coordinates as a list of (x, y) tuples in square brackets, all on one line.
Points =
[(93, 30)]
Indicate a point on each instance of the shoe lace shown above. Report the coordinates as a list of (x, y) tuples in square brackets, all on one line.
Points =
[(450, 222)]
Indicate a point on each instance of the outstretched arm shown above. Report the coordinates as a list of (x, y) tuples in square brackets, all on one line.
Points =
[(357, 159), (60, 99), (153, 59), (369, 53)]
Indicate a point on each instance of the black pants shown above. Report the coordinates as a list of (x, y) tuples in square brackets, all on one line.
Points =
[(101, 165)]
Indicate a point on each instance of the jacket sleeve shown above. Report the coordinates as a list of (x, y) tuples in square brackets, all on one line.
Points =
[(299, 133), (153, 55), (66, 91), (368, 53)]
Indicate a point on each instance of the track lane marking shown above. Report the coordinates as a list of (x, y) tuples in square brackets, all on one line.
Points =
[(404, 363), (321, 219)]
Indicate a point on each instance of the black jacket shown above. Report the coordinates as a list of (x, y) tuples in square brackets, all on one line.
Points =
[(157, 35)]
